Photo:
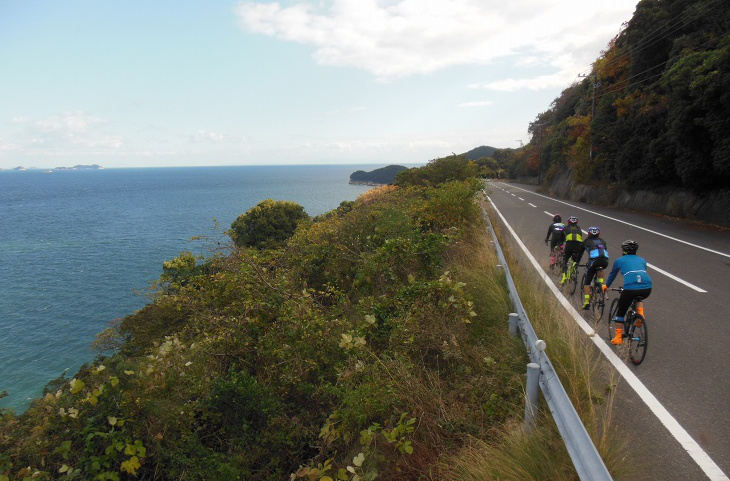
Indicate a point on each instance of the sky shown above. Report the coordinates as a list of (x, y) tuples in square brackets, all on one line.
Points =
[(140, 83)]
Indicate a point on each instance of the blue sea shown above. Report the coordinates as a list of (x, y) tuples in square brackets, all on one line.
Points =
[(79, 248)]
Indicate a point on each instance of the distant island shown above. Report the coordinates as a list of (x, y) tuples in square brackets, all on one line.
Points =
[(81, 167), (20, 168), (382, 176)]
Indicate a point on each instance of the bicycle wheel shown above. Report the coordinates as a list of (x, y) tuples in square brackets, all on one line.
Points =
[(573, 281), (559, 262), (638, 339), (554, 262), (597, 302), (611, 315)]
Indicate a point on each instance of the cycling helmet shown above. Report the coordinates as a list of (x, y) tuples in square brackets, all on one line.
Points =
[(630, 247), (557, 218), (594, 231), (572, 219)]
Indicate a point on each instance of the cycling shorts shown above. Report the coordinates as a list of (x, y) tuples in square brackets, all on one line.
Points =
[(594, 265)]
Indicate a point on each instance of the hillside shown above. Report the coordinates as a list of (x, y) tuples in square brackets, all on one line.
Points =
[(361, 336), (651, 115), (480, 152)]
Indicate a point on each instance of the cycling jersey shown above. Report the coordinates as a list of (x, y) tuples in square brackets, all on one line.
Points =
[(596, 248), (573, 233), (556, 230), (633, 268)]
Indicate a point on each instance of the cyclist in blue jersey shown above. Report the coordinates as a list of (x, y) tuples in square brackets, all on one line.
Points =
[(637, 282), (573, 245), (597, 261)]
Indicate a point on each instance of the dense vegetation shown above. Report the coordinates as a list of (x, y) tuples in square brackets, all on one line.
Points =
[(383, 176), (653, 112), (359, 345)]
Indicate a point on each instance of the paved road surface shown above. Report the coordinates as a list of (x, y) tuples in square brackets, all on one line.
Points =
[(688, 312)]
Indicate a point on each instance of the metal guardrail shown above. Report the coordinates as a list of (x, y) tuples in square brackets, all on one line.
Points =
[(583, 453)]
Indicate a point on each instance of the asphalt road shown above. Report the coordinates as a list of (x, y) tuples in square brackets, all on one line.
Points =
[(686, 367)]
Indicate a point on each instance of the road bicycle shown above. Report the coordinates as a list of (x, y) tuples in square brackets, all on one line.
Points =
[(636, 332), (571, 283), (597, 299), (556, 260)]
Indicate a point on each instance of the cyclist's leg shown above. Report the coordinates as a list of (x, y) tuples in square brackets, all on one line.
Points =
[(566, 258), (641, 294), (624, 301), (600, 265), (590, 272)]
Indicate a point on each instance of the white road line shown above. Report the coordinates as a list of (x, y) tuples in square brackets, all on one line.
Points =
[(700, 457), (672, 276), (662, 271), (513, 195), (521, 198), (632, 225), (533, 205)]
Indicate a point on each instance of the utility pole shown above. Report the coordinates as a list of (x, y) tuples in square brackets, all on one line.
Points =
[(593, 108), (540, 128)]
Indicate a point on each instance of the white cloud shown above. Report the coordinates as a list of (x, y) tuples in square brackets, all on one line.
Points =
[(204, 136), (392, 39), (68, 129)]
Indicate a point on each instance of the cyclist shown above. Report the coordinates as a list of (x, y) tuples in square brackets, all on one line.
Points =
[(597, 261), (637, 283), (555, 234), (573, 245)]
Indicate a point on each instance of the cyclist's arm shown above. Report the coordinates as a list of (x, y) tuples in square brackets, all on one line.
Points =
[(549, 233)]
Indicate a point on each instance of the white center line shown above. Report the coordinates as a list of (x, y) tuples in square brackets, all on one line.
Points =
[(533, 205), (520, 198), (628, 223), (699, 456)]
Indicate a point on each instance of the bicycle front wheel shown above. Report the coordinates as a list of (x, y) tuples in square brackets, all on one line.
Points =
[(638, 339)]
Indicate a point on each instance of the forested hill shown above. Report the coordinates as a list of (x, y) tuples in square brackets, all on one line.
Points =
[(480, 152), (652, 112), (382, 176)]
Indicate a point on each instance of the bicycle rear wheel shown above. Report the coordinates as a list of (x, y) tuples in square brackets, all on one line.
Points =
[(573, 281), (638, 339), (598, 303), (611, 314)]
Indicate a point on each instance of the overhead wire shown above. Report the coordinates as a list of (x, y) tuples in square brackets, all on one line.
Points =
[(618, 85), (664, 31)]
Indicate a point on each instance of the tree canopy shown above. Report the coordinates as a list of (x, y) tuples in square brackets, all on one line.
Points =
[(654, 111), (268, 224)]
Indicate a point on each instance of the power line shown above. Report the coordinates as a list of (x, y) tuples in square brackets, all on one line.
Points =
[(665, 30), (617, 86)]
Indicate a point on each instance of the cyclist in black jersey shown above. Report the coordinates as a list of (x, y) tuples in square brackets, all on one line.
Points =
[(573, 245), (555, 233)]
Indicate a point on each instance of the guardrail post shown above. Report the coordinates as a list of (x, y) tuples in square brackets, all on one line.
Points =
[(513, 324), (531, 394)]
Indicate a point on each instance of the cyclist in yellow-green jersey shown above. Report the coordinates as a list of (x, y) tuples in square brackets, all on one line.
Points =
[(573, 245)]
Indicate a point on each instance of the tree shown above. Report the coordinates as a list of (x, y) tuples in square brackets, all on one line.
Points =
[(267, 225)]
